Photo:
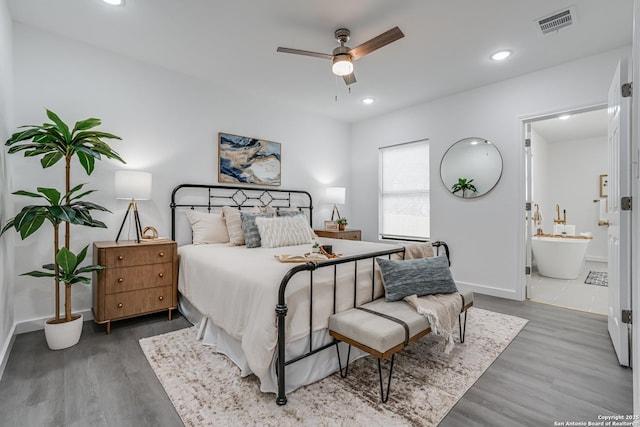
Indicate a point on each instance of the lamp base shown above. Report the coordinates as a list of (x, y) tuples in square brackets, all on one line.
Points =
[(335, 211), (133, 206)]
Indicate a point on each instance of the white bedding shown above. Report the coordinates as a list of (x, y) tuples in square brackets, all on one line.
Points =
[(237, 289)]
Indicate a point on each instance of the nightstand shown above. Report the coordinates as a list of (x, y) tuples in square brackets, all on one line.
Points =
[(139, 278), (344, 235)]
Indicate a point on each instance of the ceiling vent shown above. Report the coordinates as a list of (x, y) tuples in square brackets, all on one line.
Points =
[(557, 20)]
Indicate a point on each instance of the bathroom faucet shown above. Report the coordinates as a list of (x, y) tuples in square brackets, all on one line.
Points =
[(558, 220)]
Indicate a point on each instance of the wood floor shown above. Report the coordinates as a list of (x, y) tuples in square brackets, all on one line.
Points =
[(561, 367)]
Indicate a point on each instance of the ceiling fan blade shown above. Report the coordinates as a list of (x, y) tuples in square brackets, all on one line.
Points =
[(304, 52), (376, 43), (349, 78)]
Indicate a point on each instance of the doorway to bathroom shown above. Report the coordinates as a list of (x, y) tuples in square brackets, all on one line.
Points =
[(567, 168)]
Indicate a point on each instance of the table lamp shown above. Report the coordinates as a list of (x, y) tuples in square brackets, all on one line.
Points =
[(132, 185)]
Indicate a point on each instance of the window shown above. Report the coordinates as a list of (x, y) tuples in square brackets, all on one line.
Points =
[(404, 191)]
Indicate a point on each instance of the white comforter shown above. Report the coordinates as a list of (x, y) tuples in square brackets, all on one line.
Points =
[(237, 289)]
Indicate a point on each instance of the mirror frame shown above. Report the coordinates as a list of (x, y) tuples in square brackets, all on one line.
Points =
[(449, 151)]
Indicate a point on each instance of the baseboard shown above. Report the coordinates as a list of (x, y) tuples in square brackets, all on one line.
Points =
[(488, 290), (596, 258), (6, 349), (38, 323)]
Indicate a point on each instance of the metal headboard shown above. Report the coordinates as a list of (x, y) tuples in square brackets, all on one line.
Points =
[(211, 197)]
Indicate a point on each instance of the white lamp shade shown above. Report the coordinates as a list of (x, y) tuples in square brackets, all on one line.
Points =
[(336, 195), (133, 185), (342, 65)]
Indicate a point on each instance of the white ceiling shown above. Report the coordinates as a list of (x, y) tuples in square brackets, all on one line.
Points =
[(590, 124), (233, 43)]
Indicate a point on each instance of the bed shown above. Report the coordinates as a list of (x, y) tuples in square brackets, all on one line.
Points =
[(269, 317)]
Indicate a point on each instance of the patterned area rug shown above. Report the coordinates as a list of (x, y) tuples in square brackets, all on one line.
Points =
[(598, 278), (207, 390)]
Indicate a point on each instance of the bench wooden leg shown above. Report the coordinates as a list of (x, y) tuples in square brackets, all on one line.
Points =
[(343, 372), (463, 329), (385, 397)]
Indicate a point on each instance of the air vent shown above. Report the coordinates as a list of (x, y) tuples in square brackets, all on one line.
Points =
[(556, 20)]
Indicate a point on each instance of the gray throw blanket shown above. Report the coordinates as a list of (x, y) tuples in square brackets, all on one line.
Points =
[(441, 311)]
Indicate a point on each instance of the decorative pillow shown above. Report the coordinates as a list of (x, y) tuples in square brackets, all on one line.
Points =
[(234, 225), (264, 209), (422, 276), (284, 231), (207, 228), (250, 229), (289, 212)]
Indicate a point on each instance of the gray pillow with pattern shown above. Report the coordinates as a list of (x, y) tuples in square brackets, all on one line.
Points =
[(250, 229), (422, 276)]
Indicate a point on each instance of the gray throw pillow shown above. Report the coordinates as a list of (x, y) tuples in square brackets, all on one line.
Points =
[(282, 212), (250, 229), (422, 276)]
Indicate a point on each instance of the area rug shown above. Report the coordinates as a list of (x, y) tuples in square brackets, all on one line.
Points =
[(207, 390), (598, 278)]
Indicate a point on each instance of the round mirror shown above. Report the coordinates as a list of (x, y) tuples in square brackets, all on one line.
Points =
[(471, 167)]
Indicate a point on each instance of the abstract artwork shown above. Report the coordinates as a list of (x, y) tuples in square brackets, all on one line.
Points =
[(247, 160)]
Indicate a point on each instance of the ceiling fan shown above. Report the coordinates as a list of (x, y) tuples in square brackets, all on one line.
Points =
[(343, 56)]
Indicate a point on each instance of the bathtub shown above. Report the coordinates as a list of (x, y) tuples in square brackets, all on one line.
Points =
[(559, 257)]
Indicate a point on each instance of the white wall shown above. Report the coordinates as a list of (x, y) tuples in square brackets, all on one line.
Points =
[(6, 241), (169, 125), (540, 180), (486, 234), (571, 180)]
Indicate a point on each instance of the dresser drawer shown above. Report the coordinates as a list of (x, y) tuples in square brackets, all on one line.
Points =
[(349, 235), (124, 279), (130, 303), (132, 255)]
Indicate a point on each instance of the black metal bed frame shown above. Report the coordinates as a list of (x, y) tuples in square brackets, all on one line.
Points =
[(242, 197)]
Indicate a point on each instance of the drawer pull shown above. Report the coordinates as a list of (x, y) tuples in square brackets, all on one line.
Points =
[(161, 253), (120, 257), (161, 274), (120, 280), (160, 297), (120, 305)]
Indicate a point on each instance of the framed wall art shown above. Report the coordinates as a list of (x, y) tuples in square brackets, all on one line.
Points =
[(247, 160)]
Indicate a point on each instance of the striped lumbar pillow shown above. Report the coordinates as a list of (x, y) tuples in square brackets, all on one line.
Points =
[(284, 231)]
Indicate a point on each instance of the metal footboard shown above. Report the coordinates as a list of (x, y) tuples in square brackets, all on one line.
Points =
[(281, 307)]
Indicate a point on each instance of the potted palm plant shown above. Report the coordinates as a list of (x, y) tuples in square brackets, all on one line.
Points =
[(53, 142), (464, 185)]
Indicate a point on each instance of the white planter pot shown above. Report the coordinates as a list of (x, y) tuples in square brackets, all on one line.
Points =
[(63, 335)]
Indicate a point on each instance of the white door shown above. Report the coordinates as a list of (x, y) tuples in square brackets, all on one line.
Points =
[(619, 231)]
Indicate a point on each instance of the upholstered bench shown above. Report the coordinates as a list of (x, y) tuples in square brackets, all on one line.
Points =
[(383, 328)]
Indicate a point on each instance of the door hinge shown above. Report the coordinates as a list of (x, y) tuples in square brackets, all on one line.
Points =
[(627, 90), (527, 206), (625, 203), (527, 142), (627, 317), (527, 270)]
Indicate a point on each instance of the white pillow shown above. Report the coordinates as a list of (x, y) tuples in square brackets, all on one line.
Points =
[(234, 225), (284, 231), (207, 228)]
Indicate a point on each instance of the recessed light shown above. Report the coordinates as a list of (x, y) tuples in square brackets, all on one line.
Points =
[(501, 55), (368, 101), (565, 117), (114, 2)]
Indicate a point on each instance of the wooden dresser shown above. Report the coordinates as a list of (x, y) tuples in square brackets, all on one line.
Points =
[(344, 234), (139, 278)]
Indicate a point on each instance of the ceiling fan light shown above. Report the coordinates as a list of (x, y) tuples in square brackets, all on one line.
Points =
[(342, 65)]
